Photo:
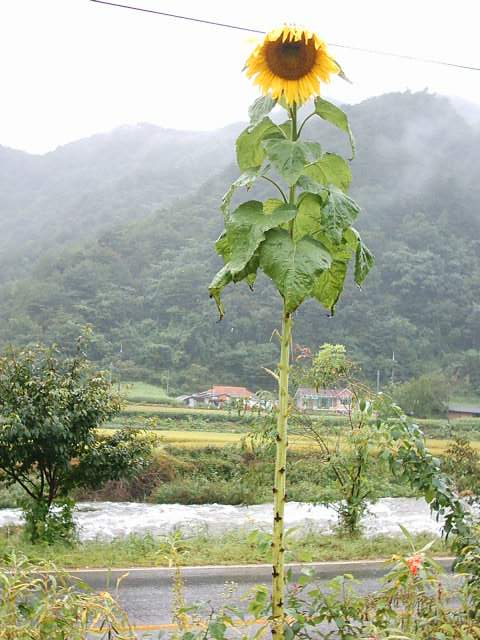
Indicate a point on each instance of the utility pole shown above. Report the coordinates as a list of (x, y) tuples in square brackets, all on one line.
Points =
[(119, 369), (378, 380), (393, 368)]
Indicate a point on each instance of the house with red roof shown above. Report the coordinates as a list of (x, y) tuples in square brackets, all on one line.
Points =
[(217, 396)]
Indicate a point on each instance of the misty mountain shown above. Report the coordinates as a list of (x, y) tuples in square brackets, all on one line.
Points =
[(140, 276), (69, 194)]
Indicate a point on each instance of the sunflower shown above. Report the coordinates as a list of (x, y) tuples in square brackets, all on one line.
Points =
[(290, 63)]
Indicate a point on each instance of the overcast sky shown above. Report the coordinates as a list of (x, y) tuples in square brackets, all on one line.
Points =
[(71, 68)]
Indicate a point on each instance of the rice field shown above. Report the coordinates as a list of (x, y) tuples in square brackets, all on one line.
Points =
[(198, 439)]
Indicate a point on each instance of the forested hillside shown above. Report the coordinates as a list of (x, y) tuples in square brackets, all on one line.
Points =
[(72, 193), (80, 244)]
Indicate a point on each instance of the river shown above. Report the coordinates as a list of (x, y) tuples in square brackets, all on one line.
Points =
[(116, 519)]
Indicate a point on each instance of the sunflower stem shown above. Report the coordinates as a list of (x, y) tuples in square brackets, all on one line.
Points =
[(279, 489), (280, 479), (293, 115), (294, 136)]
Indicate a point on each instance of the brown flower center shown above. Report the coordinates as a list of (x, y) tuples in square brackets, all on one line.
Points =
[(291, 60)]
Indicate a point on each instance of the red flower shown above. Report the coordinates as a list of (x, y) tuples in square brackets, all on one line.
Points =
[(414, 563)]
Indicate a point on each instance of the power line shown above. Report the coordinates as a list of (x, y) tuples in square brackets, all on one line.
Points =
[(250, 30), (174, 15)]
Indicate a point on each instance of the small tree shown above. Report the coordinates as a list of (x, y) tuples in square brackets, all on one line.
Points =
[(50, 408), (330, 367), (349, 452)]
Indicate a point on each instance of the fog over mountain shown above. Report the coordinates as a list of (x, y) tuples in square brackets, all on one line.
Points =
[(71, 193), (117, 230)]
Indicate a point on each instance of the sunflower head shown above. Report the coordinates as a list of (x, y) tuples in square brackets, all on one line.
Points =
[(290, 63)]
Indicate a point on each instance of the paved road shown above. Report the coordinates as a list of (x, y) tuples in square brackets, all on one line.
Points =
[(146, 594)]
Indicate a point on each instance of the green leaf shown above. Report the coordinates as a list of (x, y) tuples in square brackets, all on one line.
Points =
[(313, 150), (238, 245), (364, 261), (310, 184), (222, 247), (309, 222), (293, 266), (288, 157), (309, 217), (338, 212), (333, 114), (246, 179), (225, 277), (217, 285), (330, 169), (250, 152), (329, 285), (246, 230), (260, 108), (271, 204), (364, 258)]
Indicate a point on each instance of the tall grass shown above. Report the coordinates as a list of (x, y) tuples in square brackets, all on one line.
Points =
[(238, 547)]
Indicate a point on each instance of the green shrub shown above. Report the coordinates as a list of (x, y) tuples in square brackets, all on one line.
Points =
[(199, 490)]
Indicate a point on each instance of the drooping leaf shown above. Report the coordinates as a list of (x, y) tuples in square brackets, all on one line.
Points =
[(364, 258), (225, 277), (329, 285), (290, 157), (333, 114), (222, 247), (246, 230), (364, 261), (260, 108), (250, 151), (339, 211), (246, 179), (330, 169), (293, 266), (239, 244), (217, 285)]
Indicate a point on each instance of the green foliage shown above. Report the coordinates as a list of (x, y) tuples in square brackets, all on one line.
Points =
[(290, 157), (330, 169), (260, 108), (462, 463), (243, 475), (255, 238), (424, 397), (329, 367), (412, 604), (333, 114), (49, 523), (293, 266), (50, 408), (352, 469), (250, 151)]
